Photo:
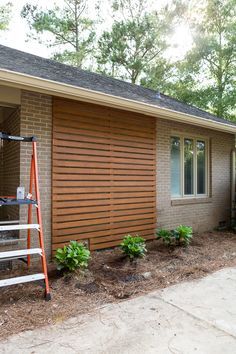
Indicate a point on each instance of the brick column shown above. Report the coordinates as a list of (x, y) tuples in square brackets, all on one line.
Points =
[(36, 119)]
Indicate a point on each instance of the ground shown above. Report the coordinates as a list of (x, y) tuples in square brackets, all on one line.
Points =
[(112, 278), (187, 318)]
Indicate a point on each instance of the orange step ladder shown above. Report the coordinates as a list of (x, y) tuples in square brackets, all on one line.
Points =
[(14, 225)]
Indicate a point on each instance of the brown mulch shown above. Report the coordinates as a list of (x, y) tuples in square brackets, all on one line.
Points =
[(111, 278)]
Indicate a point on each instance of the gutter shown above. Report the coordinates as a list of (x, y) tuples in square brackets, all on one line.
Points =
[(28, 82)]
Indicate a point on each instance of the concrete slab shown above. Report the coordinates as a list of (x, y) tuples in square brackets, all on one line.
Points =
[(212, 299), (163, 322)]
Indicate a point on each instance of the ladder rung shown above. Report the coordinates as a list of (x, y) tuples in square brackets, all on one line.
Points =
[(23, 279), (12, 240), (9, 222), (19, 227), (20, 253)]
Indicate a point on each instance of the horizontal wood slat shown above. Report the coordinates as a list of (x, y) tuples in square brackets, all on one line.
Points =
[(94, 171), (103, 174), (73, 136), (102, 147), (121, 209), (101, 153), (117, 137), (112, 242), (95, 177), (102, 165), (104, 235), (132, 226), (117, 129), (97, 196), (90, 202)]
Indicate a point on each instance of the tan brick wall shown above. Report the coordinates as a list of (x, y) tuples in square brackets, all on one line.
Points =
[(206, 214), (36, 119)]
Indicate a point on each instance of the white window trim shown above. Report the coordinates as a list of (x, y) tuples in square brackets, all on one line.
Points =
[(195, 138)]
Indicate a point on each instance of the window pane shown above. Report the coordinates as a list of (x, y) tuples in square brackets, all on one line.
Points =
[(175, 167), (201, 167), (188, 166)]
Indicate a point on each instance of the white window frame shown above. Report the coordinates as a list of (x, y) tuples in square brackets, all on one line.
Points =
[(195, 138)]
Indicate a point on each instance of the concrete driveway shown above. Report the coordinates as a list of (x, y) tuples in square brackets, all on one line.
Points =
[(195, 317)]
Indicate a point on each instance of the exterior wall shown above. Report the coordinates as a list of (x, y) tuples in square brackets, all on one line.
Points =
[(36, 119), (10, 164), (202, 214)]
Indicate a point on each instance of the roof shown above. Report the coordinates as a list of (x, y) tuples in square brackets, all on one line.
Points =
[(25, 63)]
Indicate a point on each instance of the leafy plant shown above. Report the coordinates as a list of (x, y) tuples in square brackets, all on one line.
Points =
[(165, 235), (133, 246), (73, 256), (183, 234)]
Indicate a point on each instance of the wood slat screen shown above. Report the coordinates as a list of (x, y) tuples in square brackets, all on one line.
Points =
[(104, 168)]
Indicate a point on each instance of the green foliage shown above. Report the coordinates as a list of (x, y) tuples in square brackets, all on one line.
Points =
[(165, 235), (206, 77), (183, 234), (5, 12), (136, 42), (134, 48), (68, 27), (72, 257), (157, 75), (133, 246)]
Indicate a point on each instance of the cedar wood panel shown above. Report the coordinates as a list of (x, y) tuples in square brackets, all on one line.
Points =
[(103, 174)]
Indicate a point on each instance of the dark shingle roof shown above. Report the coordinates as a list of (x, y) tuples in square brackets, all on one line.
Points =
[(25, 63)]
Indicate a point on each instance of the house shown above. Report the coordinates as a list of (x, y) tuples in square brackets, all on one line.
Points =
[(114, 158)]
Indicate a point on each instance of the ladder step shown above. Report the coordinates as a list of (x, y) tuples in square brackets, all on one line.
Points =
[(23, 279), (19, 227), (11, 240), (20, 253), (13, 201), (9, 222)]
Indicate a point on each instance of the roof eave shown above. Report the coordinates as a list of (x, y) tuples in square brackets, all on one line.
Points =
[(28, 82)]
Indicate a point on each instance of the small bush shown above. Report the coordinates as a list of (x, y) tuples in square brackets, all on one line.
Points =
[(165, 235), (183, 234), (72, 257), (133, 246)]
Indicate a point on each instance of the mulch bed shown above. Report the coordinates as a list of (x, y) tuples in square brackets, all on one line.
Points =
[(112, 278)]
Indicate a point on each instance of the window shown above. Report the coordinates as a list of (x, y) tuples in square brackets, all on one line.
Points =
[(189, 172)]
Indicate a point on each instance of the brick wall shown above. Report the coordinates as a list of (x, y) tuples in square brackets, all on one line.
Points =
[(10, 164), (203, 214), (36, 119)]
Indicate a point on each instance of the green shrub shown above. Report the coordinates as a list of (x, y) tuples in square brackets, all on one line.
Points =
[(183, 234), (133, 246), (72, 257), (165, 235)]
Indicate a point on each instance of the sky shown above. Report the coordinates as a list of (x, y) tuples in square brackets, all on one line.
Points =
[(16, 37)]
